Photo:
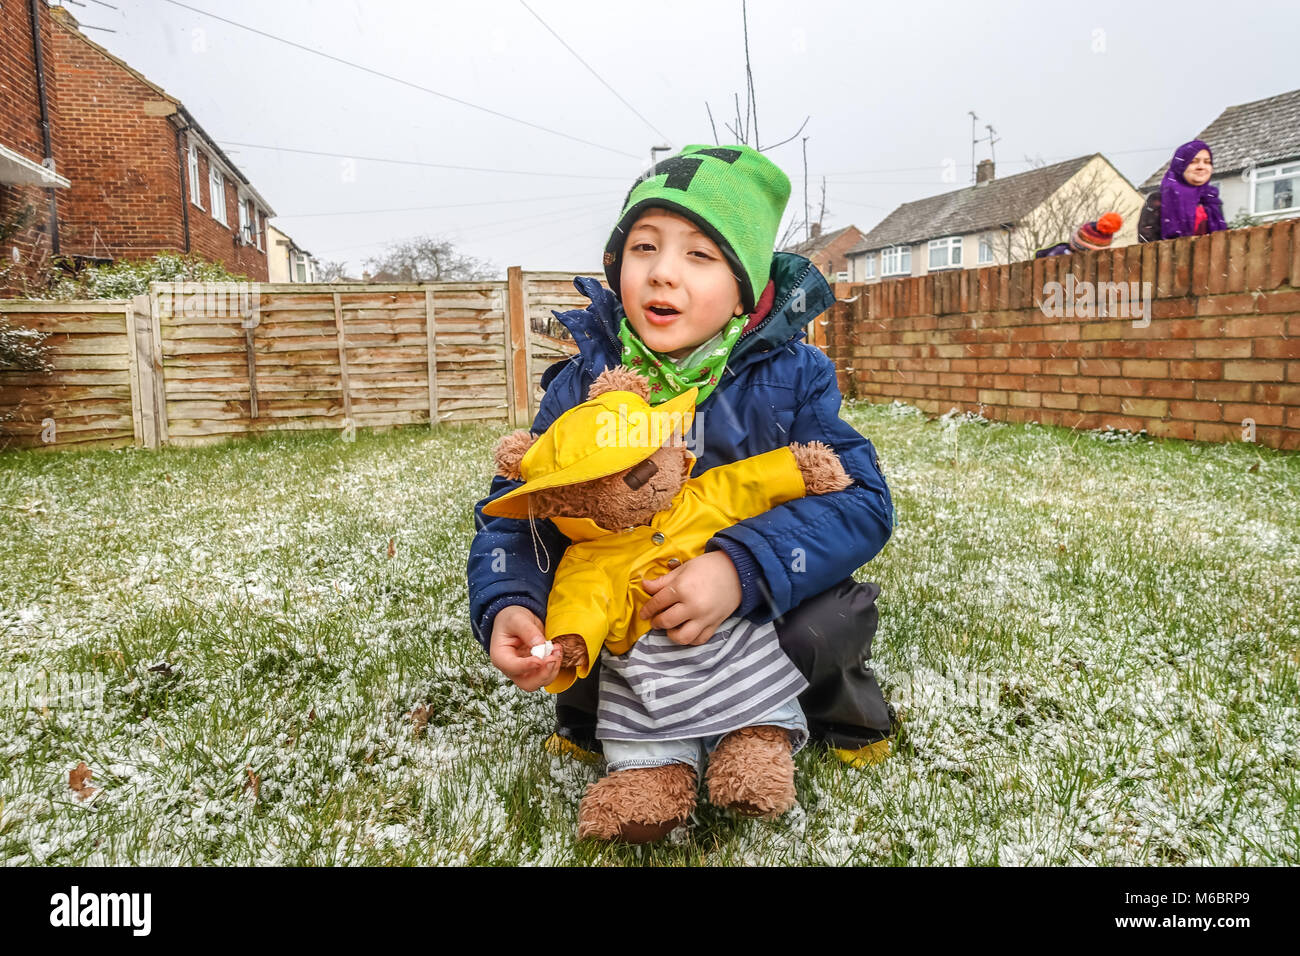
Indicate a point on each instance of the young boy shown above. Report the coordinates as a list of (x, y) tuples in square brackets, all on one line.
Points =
[(706, 304)]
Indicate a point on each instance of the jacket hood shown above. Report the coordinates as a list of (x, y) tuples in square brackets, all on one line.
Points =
[(802, 294)]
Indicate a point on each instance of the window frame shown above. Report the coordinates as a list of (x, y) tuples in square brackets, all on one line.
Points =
[(869, 266), (949, 245), (986, 244), (902, 254), (245, 223), (217, 191), (1272, 174), (192, 166)]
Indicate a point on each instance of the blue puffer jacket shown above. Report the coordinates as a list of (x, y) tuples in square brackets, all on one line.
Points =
[(776, 389)]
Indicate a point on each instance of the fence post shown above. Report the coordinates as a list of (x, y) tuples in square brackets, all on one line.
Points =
[(518, 383), (148, 394), (251, 358), (343, 361), (133, 377), (431, 346)]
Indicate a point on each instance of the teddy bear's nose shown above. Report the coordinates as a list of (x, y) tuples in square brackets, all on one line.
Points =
[(640, 474)]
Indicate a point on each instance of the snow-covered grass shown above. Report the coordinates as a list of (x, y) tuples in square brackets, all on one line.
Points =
[(1093, 645)]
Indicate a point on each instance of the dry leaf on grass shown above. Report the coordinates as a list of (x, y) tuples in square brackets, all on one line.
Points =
[(77, 778), (420, 719), (254, 782), (392, 547)]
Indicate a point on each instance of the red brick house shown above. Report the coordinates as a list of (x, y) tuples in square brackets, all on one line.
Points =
[(827, 250), (139, 175), (29, 185)]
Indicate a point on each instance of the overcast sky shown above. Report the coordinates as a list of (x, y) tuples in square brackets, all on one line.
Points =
[(888, 87)]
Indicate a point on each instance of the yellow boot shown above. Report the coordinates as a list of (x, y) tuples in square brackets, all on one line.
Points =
[(864, 756)]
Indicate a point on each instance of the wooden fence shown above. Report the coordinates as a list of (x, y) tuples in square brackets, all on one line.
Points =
[(194, 364)]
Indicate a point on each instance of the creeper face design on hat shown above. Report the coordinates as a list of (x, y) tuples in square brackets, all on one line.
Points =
[(734, 194)]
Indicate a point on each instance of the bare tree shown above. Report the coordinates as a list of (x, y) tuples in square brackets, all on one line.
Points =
[(793, 233), (332, 271), (1084, 198), (426, 259)]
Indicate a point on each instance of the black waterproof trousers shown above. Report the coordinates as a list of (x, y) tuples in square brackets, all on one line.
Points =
[(828, 638)]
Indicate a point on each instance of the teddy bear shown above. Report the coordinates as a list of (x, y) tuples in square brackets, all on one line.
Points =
[(613, 475)]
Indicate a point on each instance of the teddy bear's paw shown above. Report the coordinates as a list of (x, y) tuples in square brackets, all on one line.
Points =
[(821, 468), (752, 772), (637, 806)]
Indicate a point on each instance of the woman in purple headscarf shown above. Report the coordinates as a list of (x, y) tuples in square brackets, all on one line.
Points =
[(1185, 204)]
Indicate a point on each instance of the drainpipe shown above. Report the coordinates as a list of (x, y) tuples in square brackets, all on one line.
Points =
[(185, 184), (45, 120)]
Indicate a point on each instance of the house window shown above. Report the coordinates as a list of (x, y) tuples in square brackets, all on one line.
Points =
[(1276, 189), (245, 227), (869, 266), (217, 193), (258, 223), (196, 187), (896, 261), (945, 253), (986, 250)]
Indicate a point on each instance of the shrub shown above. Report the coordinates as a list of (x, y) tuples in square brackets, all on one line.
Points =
[(123, 280), (22, 348)]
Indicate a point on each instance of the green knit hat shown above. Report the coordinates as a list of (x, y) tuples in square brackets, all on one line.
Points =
[(735, 194)]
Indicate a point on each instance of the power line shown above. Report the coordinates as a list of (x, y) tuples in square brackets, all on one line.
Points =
[(1015, 162), (459, 205), (866, 205), (414, 162), (889, 182), (397, 79), (585, 211), (593, 72), (550, 216), (582, 211)]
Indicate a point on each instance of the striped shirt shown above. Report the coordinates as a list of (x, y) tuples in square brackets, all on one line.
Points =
[(659, 690)]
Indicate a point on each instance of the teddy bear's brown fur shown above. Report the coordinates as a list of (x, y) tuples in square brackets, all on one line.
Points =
[(751, 770)]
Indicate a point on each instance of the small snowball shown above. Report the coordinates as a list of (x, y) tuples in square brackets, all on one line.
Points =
[(542, 650)]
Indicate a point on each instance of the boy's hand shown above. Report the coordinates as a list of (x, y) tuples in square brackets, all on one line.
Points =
[(691, 601), (515, 631)]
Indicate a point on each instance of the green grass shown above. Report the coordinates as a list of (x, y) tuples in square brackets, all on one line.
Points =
[(1093, 642)]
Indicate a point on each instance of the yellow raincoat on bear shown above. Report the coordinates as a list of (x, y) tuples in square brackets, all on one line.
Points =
[(597, 591)]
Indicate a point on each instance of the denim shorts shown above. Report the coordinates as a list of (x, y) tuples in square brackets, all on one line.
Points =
[(694, 751)]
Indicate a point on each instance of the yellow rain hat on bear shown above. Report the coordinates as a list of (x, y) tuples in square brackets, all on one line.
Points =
[(601, 437)]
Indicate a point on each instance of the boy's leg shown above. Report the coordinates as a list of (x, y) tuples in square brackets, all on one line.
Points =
[(828, 638)]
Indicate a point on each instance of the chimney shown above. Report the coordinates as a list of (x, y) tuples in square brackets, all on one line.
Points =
[(64, 16), (816, 230), (984, 171)]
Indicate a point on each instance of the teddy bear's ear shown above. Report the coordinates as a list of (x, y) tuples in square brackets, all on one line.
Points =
[(619, 379), (509, 452)]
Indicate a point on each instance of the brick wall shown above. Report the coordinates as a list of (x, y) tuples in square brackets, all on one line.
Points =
[(121, 156), (212, 240), (1218, 359), (20, 130)]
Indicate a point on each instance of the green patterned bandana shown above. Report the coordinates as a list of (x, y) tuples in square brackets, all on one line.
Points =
[(667, 377)]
